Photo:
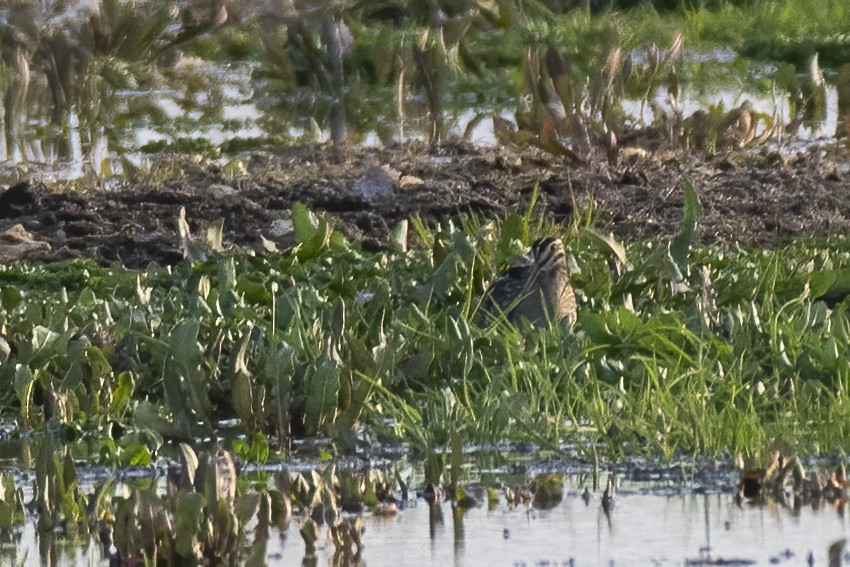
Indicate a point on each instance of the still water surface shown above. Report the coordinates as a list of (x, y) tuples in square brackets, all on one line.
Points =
[(642, 529)]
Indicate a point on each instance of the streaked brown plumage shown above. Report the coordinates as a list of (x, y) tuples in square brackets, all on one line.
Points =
[(537, 291)]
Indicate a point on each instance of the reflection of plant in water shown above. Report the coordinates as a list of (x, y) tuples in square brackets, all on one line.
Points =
[(77, 56), (380, 56), (575, 102), (308, 47)]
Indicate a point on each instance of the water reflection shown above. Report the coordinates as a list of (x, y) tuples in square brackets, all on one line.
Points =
[(219, 103), (642, 529)]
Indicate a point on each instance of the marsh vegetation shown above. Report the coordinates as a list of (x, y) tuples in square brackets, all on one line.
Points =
[(208, 296)]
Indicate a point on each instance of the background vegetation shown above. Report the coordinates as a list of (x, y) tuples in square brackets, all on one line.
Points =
[(561, 71)]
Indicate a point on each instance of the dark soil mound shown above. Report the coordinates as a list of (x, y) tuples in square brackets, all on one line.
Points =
[(756, 199)]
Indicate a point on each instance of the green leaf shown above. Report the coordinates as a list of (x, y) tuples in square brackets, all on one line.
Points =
[(146, 416), (318, 242), (188, 519), (304, 222), (255, 451), (444, 279), (253, 292), (44, 342), (682, 241), (184, 345), (243, 399), (11, 297), (607, 241), (322, 392), (24, 382), (399, 237), (135, 454), (122, 391), (98, 365), (595, 326)]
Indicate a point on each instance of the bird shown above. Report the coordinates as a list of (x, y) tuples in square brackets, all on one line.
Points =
[(538, 291)]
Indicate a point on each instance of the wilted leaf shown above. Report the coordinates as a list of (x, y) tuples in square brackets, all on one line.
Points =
[(5, 351), (215, 236), (548, 490)]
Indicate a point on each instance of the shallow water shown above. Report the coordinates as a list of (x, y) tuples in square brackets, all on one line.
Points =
[(228, 108), (642, 529)]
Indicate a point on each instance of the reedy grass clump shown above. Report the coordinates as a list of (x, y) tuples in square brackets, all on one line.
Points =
[(698, 350)]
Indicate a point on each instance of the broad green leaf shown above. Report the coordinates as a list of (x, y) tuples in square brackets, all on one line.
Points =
[(184, 344), (10, 297), (44, 342), (98, 365), (146, 416), (254, 293), (319, 241), (304, 222), (135, 454), (594, 326), (445, 278), (188, 520), (321, 396)]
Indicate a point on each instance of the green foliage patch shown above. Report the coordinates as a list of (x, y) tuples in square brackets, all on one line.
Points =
[(681, 348)]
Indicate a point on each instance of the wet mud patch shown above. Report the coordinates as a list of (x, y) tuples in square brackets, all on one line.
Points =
[(758, 199)]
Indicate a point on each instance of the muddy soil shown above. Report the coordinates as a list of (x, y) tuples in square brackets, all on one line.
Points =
[(757, 199)]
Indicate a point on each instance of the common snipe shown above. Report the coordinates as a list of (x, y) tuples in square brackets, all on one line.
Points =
[(537, 291)]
